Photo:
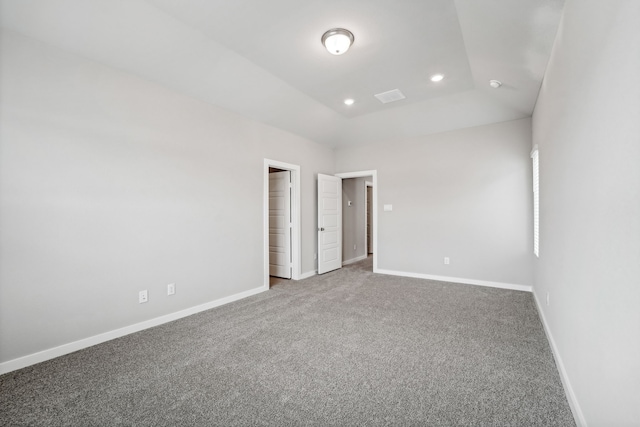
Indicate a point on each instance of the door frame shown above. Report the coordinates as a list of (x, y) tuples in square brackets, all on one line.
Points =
[(374, 211), (295, 217), (367, 184)]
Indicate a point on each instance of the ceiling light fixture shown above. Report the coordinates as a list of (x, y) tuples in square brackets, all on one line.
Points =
[(349, 101), (495, 84), (437, 77), (337, 41)]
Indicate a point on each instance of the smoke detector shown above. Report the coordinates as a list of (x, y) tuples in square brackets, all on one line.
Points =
[(495, 84)]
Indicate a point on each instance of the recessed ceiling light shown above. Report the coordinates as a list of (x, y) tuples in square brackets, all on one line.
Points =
[(349, 101), (437, 77), (495, 84), (337, 41)]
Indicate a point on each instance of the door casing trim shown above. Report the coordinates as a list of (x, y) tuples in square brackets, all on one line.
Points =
[(367, 184), (374, 228)]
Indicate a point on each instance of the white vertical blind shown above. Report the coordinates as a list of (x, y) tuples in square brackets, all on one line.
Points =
[(536, 201)]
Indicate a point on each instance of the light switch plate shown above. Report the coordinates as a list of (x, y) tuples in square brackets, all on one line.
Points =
[(388, 208)]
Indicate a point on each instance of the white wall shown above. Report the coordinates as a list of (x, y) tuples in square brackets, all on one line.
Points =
[(587, 126), (353, 218), (464, 194), (110, 184)]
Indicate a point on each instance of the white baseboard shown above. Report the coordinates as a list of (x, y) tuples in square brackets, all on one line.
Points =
[(352, 260), (308, 274), (500, 285), (41, 356), (571, 396)]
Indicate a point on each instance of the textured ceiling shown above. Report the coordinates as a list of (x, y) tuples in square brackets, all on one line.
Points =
[(264, 59)]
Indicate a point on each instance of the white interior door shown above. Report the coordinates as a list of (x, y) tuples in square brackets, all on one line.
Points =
[(329, 223), (280, 224)]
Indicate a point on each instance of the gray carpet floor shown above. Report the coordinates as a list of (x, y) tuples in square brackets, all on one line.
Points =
[(348, 348)]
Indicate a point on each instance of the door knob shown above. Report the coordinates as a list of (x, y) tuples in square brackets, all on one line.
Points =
[(321, 229)]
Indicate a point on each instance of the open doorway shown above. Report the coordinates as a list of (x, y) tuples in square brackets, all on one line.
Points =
[(359, 218), (281, 221), (354, 220)]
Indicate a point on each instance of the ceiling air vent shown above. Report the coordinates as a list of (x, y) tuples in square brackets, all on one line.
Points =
[(390, 96)]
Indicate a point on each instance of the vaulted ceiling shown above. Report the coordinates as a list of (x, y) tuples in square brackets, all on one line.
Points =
[(264, 59)]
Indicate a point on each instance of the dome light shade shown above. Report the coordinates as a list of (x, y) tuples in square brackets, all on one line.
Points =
[(337, 41)]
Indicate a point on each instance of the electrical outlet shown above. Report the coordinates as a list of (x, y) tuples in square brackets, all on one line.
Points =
[(143, 296), (446, 260), (547, 299), (171, 289), (315, 256), (354, 247)]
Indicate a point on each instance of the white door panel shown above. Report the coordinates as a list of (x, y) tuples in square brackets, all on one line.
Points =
[(280, 224), (276, 202), (330, 204), (330, 220), (331, 186), (277, 222), (330, 255), (329, 223), (278, 240), (329, 237)]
